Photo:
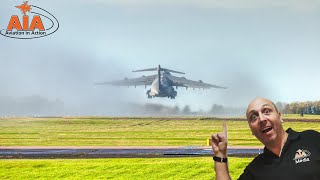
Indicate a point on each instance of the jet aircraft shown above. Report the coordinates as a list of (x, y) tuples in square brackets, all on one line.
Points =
[(24, 7), (162, 84)]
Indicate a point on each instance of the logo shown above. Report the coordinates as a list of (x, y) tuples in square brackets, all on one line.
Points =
[(36, 24), (302, 156)]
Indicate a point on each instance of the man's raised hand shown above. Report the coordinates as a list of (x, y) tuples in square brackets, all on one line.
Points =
[(219, 142)]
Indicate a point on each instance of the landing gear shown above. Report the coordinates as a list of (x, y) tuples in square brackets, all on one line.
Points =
[(148, 94), (173, 95)]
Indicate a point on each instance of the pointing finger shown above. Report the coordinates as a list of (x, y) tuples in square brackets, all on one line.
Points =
[(225, 130)]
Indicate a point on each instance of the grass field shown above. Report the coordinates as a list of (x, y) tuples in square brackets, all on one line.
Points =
[(125, 132), (122, 132), (132, 168), (297, 116)]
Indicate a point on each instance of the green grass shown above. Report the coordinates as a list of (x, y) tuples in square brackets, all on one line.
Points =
[(131, 168), (297, 116), (125, 132)]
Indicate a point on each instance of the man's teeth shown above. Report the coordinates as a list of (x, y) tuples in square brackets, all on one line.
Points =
[(266, 130)]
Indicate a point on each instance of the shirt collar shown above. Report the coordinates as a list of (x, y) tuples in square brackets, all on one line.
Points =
[(292, 135)]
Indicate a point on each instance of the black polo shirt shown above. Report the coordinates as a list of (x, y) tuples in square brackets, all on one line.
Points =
[(299, 160)]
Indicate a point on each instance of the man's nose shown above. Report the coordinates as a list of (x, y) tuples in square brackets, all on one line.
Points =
[(262, 117)]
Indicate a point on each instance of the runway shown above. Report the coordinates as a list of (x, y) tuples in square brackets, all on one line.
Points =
[(55, 152)]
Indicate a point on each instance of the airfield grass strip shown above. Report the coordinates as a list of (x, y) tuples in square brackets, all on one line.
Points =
[(298, 116), (126, 132), (123, 168)]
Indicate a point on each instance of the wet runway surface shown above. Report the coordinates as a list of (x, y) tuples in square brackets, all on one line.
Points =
[(41, 153)]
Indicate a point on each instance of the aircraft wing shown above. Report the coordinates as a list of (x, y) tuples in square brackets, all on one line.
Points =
[(140, 81), (184, 82)]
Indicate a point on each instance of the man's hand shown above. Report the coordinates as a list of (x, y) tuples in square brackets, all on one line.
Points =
[(219, 142)]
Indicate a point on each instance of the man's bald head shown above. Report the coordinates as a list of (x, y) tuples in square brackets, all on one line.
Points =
[(259, 99)]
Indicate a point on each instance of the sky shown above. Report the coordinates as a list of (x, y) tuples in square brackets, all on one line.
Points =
[(255, 48)]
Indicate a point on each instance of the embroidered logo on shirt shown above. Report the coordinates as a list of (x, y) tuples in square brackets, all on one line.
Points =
[(302, 156)]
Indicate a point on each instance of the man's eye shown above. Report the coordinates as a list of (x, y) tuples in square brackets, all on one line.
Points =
[(254, 117), (267, 111)]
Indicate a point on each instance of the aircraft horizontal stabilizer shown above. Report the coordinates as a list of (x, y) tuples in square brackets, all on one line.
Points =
[(159, 69), (172, 71), (150, 69)]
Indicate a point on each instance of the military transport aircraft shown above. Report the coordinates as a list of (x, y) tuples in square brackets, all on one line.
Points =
[(162, 83)]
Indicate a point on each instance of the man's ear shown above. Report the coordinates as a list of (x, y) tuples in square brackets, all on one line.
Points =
[(280, 117)]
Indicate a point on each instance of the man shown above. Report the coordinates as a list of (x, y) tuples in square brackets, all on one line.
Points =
[(287, 154)]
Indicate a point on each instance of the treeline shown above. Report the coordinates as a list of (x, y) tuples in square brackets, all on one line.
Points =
[(308, 107), (41, 106)]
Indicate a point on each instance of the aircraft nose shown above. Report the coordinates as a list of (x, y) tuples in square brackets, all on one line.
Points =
[(155, 90), (155, 87)]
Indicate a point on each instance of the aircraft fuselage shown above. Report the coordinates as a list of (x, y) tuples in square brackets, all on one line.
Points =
[(162, 87)]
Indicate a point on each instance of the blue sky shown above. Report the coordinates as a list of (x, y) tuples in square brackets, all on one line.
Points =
[(256, 48)]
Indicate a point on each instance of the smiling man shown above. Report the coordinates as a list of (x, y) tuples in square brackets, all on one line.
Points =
[(287, 154), (265, 122)]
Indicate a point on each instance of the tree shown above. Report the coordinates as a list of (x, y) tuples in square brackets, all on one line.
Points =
[(217, 109), (186, 110)]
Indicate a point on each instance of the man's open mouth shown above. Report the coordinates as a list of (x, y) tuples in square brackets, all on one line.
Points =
[(267, 129)]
